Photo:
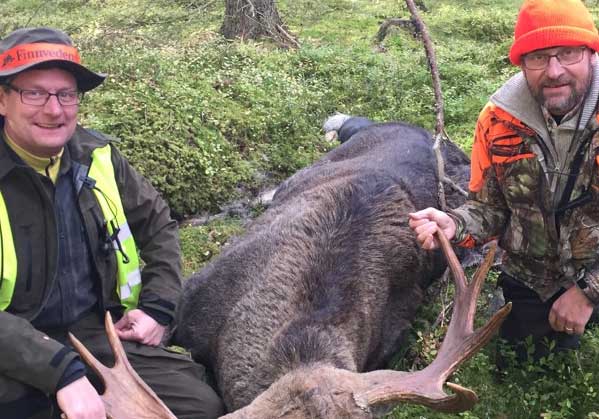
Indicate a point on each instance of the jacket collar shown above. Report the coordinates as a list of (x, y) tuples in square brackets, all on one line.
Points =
[(78, 149), (515, 98), (84, 142)]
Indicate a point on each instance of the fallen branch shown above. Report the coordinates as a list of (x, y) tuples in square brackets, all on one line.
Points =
[(287, 37), (402, 23)]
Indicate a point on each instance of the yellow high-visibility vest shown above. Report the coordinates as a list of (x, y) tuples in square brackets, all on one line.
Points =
[(107, 194), (8, 255), (123, 243)]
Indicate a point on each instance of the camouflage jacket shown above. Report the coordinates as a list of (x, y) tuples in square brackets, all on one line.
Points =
[(516, 186)]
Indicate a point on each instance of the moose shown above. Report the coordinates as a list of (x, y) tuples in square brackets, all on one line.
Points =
[(325, 283), (298, 316)]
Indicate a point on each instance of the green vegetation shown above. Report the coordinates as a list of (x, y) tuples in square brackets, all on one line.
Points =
[(201, 243), (200, 115), (206, 118), (563, 386)]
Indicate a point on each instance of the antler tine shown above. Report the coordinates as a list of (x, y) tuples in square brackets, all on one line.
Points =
[(87, 356), (426, 387), (454, 264), (126, 395), (462, 320), (460, 342), (115, 343)]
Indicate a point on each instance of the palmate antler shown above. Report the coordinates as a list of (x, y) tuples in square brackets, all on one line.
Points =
[(425, 387), (340, 393), (356, 395), (126, 396)]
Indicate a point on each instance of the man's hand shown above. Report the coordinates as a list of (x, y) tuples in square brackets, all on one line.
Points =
[(571, 312), (80, 400), (425, 224), (137, 326)]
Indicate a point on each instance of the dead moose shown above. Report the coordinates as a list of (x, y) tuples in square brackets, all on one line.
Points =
[(323, 287)]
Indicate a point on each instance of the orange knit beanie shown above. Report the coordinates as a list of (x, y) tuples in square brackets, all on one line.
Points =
[(552, 23)]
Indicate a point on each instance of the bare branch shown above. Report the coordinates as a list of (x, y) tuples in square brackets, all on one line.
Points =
[(288, 36), (440, 170), (432, 61), (439, 110), (455, 186)]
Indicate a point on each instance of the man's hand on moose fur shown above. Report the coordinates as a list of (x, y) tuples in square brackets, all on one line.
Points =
[(137, 326)]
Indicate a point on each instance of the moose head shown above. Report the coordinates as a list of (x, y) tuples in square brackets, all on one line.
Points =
[(323, 391)]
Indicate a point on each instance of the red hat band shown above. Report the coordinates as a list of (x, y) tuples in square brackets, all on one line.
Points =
[(38, 52)]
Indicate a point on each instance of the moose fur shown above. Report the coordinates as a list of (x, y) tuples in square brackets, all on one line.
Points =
[(329, 275)]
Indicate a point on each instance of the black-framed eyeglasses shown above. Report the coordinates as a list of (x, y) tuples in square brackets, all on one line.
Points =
[(565, 56), (41, 97)]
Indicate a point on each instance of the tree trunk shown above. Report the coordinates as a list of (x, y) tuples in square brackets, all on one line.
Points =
[(252, 19)]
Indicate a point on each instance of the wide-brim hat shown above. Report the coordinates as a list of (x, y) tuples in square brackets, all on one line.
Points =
[(29, 48)]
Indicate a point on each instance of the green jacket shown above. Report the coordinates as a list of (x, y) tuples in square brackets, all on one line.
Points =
[(517, 181), (27, 354)]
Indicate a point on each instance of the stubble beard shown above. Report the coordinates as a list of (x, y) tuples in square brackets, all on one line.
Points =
[(561, 106)]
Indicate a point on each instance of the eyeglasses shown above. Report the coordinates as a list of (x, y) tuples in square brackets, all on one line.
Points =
[(565, 56), (41, 97)]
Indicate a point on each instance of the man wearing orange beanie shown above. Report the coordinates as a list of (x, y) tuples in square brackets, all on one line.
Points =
[(535, 179)]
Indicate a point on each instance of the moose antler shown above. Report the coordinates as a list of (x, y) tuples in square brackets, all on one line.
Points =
[(341, 393), (425, 387), (126, 395), (369, 394)]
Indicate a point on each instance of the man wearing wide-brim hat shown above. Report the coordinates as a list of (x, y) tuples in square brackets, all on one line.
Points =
[(75, 221)]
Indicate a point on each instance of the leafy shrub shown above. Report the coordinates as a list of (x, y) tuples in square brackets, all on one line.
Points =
[(200, 244), (201, 116), (481, 25)]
